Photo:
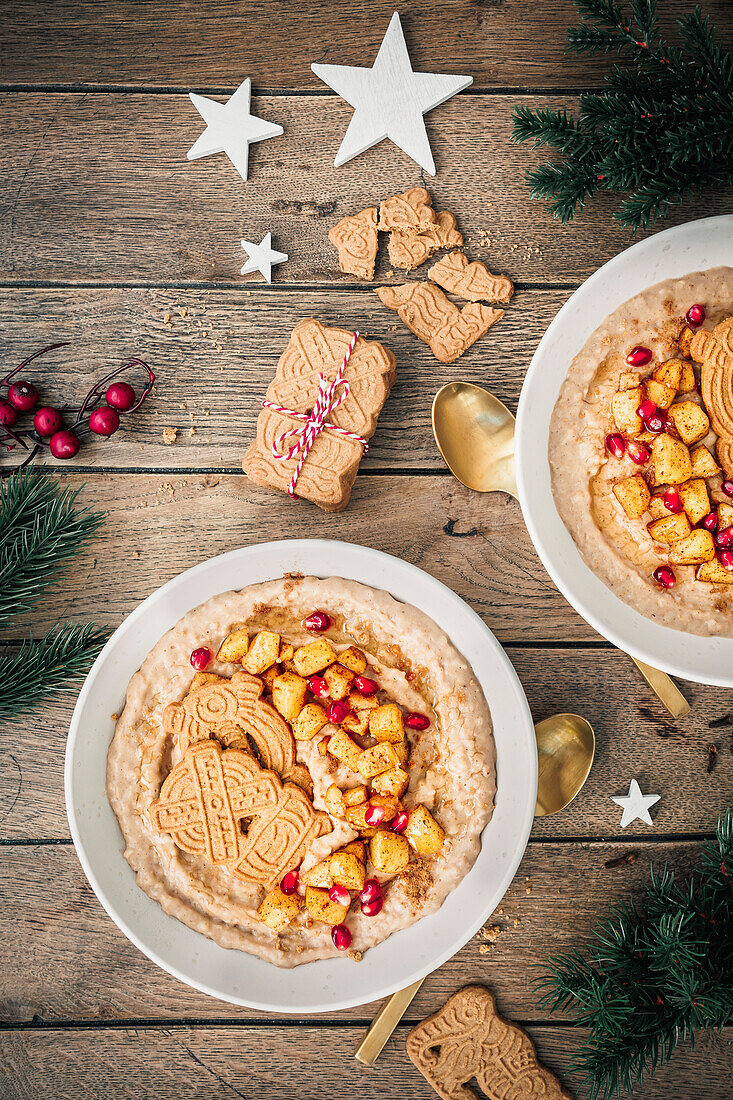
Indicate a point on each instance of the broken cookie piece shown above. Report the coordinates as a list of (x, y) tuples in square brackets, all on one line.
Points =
[(434, 319), (472, 281), (408, 250), (410, 211), (355, 239)]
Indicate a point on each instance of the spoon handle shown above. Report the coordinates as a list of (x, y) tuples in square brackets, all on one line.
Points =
[(384, 1024), (664, 688)]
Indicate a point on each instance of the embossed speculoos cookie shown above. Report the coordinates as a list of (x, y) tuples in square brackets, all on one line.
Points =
[(466, 1040), (408, 250), (206, 798), (433, 318), (355, 239), (233, 712), (714, 352), (329, 471), (409, 212), (472, 281)]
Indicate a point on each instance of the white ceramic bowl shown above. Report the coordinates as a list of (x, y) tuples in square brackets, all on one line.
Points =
[(668, 255), (234, 975)]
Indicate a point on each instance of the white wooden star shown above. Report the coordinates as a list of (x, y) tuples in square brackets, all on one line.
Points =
[(635, 804), (262, 257), (389, 100), (230, 127)]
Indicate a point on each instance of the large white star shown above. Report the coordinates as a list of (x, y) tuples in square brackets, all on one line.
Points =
[(262, 257), (230, 127), (389, 100), (635, 804)]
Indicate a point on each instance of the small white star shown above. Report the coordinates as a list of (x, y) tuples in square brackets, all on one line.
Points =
[(635, 804), (262, 257), (230, 127), (389, 100)]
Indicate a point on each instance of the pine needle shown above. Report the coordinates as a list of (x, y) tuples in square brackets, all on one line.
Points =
[(45, 664), (40, 531)]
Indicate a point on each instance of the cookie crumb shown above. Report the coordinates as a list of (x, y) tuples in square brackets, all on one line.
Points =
[(355, 955), (169, 436), (484, 948)]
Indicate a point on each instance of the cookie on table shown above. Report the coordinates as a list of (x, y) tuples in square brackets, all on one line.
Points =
[(438, 322), (472, 281), (408, 250), (355, 239), (412, 211)]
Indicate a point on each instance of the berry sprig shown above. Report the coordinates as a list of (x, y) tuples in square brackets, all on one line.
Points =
[(48, 422)]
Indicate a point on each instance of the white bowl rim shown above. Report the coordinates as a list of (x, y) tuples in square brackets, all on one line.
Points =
[(672, 253), (355, 561)]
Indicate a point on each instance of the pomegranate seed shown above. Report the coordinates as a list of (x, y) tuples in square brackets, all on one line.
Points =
[(120, 396), (317, 686), (341, 937), (399, 823), (47, 421), (104, 421), (639, 356), (725, 557), (289, 883), (364, 685), (200, 658), (8, 415), (371, 908), (672, 501), (724, 538), (23, 396), (646, 409), (64, 444), (727, 488), (375, 815), (317, 622), (655, 424), (710, 522), (664, 576), (695, 315), (340, 895), (417, 721), (639, 453), (338, 711), (616, 445), (369, 891)]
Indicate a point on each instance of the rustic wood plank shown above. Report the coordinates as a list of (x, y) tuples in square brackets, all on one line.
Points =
[(215, 363), (78, 965), (504, 43), (96, 187), (634, 739)]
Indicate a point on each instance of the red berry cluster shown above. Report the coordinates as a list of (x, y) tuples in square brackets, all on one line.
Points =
[(48, 422)]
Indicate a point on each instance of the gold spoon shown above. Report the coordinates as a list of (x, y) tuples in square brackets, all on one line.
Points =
[(475, 435), (566, 745)]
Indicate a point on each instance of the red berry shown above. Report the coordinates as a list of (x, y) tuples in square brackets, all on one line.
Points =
[(120, 396), (341, 937), (289, 883), (317, 622), (616, 445), (415, 721), (639, 356), (338, 711), (665, 577), (646, 409), (369, 891), (724, 538), (23, 396), (725, 557), (639, 453), (371, 908), (104, 421), (655, 424), (364, 685), (727, 488), (340, 895), (47, 421), (8, 415), (374, 815), (672, 501), (399, 823), (64, 444), (201, 658), (709, 522), (695, 315), (317, 686)]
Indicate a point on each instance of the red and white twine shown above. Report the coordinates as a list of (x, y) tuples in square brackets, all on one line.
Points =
[(315, 421)]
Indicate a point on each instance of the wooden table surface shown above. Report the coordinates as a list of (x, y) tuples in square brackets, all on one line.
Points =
[(112, 240)]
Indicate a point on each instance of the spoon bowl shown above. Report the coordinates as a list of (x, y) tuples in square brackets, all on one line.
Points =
[(475, 435), (566, 746)]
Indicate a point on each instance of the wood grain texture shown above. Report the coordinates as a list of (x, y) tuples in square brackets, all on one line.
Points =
[(215, 363), (78, 965), (634, 739), (499, 42), (96, 187)]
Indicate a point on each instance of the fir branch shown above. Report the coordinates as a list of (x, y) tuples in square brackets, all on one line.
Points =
[(40, 531), (45, 664)]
